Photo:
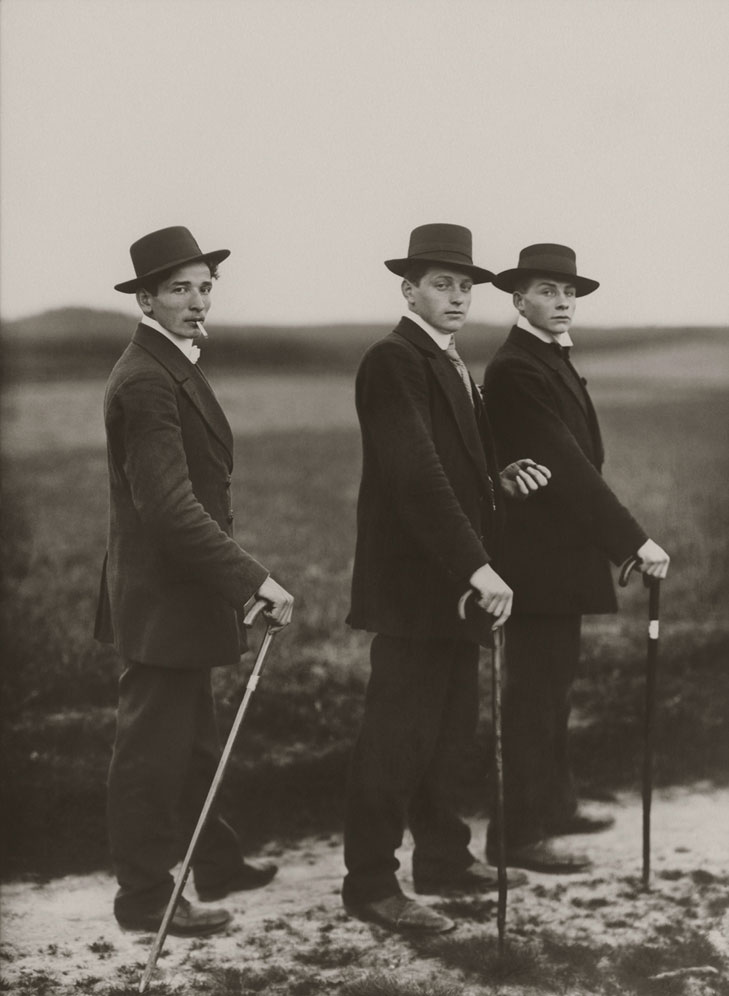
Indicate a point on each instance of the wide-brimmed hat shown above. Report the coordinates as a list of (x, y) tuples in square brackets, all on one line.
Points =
[(552, 260), (165, 249), (440, 243)]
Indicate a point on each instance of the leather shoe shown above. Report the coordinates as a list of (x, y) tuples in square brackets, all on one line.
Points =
[(586, 819), (250, 876), (401, 914), (477, 877), (550, 856), (188, 920)]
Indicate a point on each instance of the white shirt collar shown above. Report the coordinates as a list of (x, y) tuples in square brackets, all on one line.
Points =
[(561, 338), (441, 339), (186, 346)]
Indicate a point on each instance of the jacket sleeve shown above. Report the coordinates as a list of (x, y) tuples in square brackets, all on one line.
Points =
[(393, 404), (145, 422), (523, 410)]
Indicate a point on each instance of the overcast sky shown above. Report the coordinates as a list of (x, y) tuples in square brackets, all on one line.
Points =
[(310, 136)]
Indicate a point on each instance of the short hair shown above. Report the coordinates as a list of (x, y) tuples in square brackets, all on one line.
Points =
[(153, 282), (416, 271)]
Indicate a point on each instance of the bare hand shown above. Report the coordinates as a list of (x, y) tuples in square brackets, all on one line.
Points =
[(494, 594), (280, 602), (654, 560), (522, 477)]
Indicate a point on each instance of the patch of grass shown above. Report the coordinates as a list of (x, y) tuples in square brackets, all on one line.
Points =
[(35, 983), (246, 980), (326, 955), (104, 949), (687, 948), (478, 955), (387, 984)]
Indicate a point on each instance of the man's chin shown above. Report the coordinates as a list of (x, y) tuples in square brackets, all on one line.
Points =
[(452, 324)]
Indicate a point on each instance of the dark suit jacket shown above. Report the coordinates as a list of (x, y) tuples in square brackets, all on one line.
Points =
[(560, 540), (428, 514), (173, 577)]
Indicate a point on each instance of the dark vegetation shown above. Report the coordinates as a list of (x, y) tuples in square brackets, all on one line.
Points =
[(84, 342), (296, 494)]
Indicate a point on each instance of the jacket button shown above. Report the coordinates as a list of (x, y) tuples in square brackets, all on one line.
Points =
[(228, 480), (230, 517)]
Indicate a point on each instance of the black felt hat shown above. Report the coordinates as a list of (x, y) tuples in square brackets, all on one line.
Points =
[(449, 245), (165, 249), (550, 259)]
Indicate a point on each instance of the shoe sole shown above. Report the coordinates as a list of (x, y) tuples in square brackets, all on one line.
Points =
[(395, 927), (569, 831), (206, 896)]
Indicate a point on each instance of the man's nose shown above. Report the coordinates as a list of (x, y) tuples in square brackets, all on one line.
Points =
[(196, 301)]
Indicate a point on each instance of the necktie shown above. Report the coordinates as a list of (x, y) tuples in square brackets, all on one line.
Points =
[(562, 351), (460, 366)]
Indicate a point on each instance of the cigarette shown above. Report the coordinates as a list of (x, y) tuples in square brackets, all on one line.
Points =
[(201, 330)]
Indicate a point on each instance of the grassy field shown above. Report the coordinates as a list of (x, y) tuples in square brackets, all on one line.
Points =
[(296, 479)]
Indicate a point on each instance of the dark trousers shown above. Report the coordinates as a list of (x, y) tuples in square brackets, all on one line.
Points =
[(165, 755), (421, 709), (542, 656)]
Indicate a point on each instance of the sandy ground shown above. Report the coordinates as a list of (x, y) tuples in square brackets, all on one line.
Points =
[(60, 937)]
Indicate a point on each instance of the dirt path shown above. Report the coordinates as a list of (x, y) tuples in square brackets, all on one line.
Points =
[(565, 934)]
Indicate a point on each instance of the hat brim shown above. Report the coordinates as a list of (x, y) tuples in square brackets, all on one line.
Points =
[(400, 267), (130, 286), (508, 279)]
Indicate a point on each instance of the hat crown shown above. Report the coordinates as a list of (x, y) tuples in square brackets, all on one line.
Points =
[(164, 247), (166, 250), (550, 257), (442, 245), (443, 241)]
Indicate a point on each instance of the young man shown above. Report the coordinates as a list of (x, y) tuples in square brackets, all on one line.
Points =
[(428, 526), (558, 548), (174, 586)]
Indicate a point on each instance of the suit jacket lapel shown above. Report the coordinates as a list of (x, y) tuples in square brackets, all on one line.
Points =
[(567, 375), (544, 352), (192, 382), (454, 391)]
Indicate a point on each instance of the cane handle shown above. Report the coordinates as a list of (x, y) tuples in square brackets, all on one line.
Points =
[(630, 565), (260, 605), (462, 603)]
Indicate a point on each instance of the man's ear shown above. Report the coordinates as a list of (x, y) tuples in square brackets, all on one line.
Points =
[(144, 300), (518, 302), (407, 291)]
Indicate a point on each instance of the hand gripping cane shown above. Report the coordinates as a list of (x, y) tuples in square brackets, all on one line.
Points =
[(159, 940), (496, 674), (654, 591)]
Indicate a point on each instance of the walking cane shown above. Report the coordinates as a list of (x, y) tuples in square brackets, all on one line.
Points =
[(654, 591), (496, 675), (159, 940)]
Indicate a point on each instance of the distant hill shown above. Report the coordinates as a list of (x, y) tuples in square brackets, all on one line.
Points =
[(82, 342)]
